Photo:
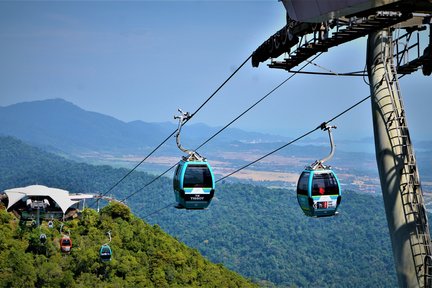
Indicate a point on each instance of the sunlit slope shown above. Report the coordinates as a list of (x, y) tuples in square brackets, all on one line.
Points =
[(143, 255)]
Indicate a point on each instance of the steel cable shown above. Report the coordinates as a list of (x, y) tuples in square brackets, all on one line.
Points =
[(172, 134)]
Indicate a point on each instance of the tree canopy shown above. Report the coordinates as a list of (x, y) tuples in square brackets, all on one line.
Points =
[(143, 255)]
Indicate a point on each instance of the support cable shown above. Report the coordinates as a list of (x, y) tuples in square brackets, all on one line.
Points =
[(321, 67), (220, 87), (226, 126), (256, 103), (137, 165), (295, 140), (268, 154), (172, 134), (160, 209), (149, 183), (346, 74)]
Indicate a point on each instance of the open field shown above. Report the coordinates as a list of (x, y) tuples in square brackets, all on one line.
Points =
[(275, 170)]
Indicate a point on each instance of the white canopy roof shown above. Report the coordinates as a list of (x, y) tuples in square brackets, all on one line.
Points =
[(61, 197)]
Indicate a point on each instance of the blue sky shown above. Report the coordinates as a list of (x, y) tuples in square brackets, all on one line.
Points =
[(141, 60)]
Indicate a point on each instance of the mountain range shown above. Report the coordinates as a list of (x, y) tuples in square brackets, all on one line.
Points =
[(59, 124), (63, 128)]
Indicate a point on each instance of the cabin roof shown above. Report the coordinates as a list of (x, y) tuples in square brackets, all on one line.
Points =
[(62, 197)]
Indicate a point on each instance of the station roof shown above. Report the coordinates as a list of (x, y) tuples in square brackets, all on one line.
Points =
[(316, 11), (61, 197)]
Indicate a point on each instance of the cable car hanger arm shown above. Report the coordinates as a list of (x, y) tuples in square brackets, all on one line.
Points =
[(320, 163), (183, 118)]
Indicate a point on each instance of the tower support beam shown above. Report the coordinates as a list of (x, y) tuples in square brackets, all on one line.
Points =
[(400, 184)]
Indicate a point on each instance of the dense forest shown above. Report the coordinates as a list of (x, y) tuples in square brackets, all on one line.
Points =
[(259, 232), (143, 255), (263, 234)]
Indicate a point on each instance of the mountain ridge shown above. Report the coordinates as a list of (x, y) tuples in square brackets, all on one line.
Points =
[(64, 125)]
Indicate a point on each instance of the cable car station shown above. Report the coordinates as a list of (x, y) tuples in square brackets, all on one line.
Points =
[(38, 202)]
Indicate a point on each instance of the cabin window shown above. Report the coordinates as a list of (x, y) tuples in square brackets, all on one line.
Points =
[(66, 242), (176, 176), (324, 184), (197, 176), (302, 187)]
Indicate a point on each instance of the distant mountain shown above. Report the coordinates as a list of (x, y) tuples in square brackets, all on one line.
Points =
[(62, 125), (63, 128)]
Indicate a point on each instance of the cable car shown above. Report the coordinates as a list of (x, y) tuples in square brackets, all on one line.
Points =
[(194, 184), (105, 253), (318, 188), (42, 238), (318, 192), (65, 244)]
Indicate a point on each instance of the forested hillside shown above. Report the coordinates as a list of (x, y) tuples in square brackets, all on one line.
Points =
[(143, 255), (258, 232), (263, 234)]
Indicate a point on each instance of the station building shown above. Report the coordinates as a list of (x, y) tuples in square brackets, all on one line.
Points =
[(44, 203)]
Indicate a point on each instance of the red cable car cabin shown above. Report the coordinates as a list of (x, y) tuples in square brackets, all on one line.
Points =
[(65, 244)]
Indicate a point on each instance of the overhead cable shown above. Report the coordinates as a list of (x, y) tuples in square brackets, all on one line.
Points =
[(167, 138), (149, 183), (136, 166), (220, 87), (160, 209), (322, 67), (226, 126), (295, 140), (256, 103)]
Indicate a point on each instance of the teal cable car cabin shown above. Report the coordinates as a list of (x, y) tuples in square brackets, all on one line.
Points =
[(193, 181), (105, 253), (318, 188), (318, 192), (194, 184)]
